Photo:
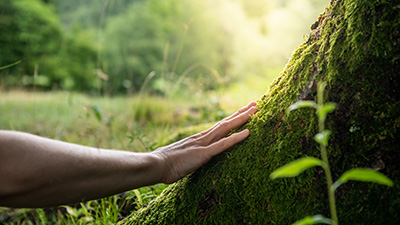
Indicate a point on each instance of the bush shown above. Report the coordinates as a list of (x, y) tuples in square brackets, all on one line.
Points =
[(30, 32)]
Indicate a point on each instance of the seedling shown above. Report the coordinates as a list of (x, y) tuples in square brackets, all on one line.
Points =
[(295, 167)]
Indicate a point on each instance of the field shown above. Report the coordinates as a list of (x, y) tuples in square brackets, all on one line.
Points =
[(133, 123)]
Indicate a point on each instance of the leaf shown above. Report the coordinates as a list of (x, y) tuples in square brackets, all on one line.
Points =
[(97, 112), (301, 104), (71, 211), (139, 196), (294, 168), (322, 138), (363, 174), (313, 220), (326, 108)]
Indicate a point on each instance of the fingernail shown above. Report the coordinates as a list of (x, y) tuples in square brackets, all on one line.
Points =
[(252, 103)]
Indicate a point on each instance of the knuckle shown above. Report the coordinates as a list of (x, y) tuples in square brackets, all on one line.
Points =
[(224, 124), (223, 144), (200, 141)]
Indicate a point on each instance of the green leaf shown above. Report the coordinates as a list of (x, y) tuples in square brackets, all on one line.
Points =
[(294, 168), (313, 220), (301, 104), (97, 112), (326, 108), (322, 138), (139, 196), (365, 175)]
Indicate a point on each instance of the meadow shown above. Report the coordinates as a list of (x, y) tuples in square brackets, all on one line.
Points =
[(127, 122)]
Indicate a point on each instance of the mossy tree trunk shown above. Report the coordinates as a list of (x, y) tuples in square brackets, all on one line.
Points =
[(355, 47)]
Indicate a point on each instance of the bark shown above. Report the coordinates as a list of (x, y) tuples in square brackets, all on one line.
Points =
[(354, 46)]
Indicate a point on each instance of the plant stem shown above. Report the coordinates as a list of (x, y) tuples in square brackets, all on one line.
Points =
[(331, 192), (324, 156)]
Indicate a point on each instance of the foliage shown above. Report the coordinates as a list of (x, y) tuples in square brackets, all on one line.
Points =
[(166, 46), (77, 14), (170, 38), (294, 168), (30, 32), (207, 43)]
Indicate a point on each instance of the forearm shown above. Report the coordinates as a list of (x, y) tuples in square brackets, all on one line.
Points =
[(38, 172), (51, 172)]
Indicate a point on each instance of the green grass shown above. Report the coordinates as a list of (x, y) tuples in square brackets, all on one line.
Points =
[(136, 123), (96, 121)]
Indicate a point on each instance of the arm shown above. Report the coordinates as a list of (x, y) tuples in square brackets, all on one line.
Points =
[(40, 172)]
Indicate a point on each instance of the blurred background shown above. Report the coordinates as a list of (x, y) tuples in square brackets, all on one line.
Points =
[(94, 68), (163, 47), (128, 74), (136, 74)]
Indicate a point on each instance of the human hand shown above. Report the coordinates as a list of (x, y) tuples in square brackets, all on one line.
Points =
[(185, 156)]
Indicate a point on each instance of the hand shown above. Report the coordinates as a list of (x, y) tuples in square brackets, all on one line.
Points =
[(37, 172), (187, 155)]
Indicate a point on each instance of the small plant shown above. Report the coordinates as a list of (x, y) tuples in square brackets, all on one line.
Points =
[(294, 168), (136, 134)]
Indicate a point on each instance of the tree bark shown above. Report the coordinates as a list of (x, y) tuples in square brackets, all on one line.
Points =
[(355, 47)]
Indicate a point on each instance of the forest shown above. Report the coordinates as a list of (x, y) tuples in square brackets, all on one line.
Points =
[(112, 46), (136, 75)]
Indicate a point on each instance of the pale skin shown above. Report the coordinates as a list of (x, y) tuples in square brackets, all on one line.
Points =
[(41, 172)]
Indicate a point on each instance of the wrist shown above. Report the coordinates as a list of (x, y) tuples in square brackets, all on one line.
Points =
[(158, 166)]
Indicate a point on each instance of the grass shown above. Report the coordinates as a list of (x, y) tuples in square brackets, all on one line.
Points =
[(136, 123), (132, 123), (96, 121)]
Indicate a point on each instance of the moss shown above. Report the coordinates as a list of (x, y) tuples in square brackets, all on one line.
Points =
[(355, 47)]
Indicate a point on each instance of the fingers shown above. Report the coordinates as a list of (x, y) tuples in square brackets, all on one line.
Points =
[(238, 120), (222, 128), (240, 111), (228, 142), (243, 109), (198, 149)]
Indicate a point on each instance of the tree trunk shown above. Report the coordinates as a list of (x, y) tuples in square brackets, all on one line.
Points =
[(355, 47)]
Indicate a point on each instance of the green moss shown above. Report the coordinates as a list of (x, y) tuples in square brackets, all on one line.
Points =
[(355, 47)]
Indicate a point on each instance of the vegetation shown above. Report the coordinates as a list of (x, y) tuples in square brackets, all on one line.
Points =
[(134, 75), (104, 122), (353, 47), (117, 47), (296, 167), (30, 33)]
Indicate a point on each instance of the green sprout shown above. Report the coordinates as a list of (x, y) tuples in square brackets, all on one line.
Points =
[(295, 167)]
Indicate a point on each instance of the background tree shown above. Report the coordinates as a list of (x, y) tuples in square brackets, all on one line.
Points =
[(207, 43), (168, 37), (30, 32), (354, 46)]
